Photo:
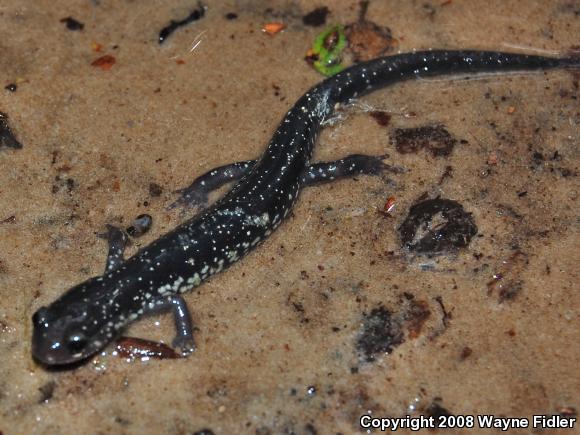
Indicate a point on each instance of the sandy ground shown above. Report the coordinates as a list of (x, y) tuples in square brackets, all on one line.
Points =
[(330, 318)]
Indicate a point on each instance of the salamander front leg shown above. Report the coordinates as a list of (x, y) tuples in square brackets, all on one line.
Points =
[(182, 318), (117, 240), (196, 194), (354, 164)]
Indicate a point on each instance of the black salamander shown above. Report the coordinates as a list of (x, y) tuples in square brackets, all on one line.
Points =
[(90, 315)]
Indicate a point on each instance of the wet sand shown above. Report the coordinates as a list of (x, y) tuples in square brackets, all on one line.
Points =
[(331, 318)]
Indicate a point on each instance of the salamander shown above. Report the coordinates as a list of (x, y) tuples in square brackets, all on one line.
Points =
[(90, 315)]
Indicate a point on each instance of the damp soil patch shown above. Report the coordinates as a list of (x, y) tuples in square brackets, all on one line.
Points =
[(437, 226), (434, 138)]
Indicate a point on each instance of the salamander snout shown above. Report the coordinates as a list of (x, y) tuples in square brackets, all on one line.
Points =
[(58, 340), (40, 317)]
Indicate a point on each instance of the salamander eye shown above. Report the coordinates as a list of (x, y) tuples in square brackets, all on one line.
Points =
[(76, 342)]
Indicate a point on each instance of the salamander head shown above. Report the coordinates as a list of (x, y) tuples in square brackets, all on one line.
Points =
[(72, 328)]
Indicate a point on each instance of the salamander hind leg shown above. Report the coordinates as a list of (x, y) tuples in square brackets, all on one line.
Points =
[(355, 164), (196, 194), (183, 324)]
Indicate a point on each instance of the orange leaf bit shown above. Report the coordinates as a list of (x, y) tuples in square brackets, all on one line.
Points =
[(105, 62), (273, 28), (389, 207), (95, 46)]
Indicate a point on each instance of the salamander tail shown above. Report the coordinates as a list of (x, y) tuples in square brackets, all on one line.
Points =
[(572, 59)]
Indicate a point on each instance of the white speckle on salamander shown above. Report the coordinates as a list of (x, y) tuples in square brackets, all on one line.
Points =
[(259, 221)]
